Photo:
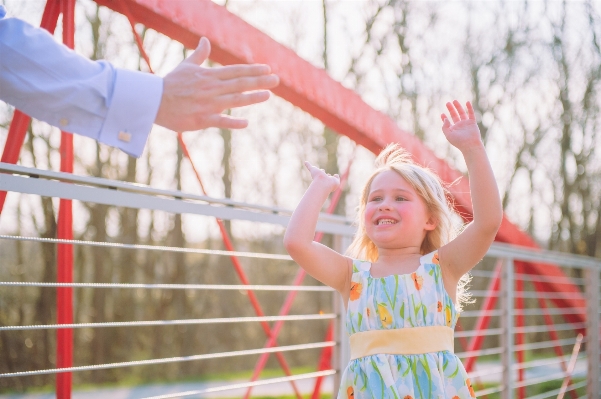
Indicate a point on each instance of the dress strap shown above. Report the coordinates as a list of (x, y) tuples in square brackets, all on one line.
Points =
[(361, 266), (429, 259)]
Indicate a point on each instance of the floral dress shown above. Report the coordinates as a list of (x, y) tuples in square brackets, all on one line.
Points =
[(417, 299)]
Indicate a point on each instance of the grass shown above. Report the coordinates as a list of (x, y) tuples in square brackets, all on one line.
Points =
[(533, 389), (134, 381), (322, 396), (275, 373)]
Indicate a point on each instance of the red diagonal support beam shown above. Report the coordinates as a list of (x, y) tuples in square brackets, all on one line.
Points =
[(314, 91)]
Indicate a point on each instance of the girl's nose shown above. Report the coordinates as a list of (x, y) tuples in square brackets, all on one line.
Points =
[(384, 205)]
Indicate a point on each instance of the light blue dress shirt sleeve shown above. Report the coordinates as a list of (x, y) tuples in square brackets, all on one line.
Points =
[(49, 82)]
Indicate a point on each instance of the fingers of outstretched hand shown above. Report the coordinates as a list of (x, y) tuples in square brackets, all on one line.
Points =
[(460, 110), (446, 123), (201, 53), (222, 121), (453, 112), (239, 71), (470, 111), (240, 85), (240, 99)]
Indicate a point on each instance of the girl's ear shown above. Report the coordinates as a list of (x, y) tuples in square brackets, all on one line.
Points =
[(431, 223)]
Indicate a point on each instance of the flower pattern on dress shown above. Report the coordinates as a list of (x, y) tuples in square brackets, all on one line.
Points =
[(471, 389), (355, 290), (350, 393), (448, 316), (385, 316), (417, 280), (410, 300)]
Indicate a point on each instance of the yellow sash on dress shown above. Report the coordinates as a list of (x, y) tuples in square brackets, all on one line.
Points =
[(402, 341)]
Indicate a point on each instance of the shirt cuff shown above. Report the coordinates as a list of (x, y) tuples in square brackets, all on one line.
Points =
[(132, 110)]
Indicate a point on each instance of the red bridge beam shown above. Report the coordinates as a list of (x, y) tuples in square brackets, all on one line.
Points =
[(234, 41)]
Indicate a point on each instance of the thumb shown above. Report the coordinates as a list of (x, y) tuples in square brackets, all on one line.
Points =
[(445, 122), (201, 53)]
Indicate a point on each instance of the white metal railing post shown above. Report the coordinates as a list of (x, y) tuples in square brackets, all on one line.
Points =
[(592, 332), (507, 322), (341, 354)]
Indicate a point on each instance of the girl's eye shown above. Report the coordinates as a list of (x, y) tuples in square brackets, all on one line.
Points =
[(376, 199), (400, 199)]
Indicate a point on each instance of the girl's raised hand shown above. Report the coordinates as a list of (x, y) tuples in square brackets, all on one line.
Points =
[(319, 175), (463, 131)]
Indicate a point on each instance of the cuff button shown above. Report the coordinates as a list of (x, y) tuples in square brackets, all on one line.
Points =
[(124, 136)]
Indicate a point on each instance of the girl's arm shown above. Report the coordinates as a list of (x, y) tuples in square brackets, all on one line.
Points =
[(461, 254), (321, 262)]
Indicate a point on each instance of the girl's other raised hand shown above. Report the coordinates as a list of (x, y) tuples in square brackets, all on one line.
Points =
[(463, 131), (331, 182)]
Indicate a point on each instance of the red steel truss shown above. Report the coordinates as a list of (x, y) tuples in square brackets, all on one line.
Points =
[(310, 88), (234, 41)]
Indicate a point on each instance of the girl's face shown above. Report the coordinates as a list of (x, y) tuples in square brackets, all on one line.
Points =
[(395, 215)]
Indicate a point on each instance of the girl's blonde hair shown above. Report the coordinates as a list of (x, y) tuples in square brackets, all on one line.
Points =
[(431, 190)]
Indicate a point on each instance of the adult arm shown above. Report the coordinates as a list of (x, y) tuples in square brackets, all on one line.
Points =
[(115, 106), (49, 82)]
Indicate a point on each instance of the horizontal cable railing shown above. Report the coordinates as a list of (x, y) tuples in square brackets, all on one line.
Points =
[(531, 295), (547, 344), (488, 391), (556, 327), (230, 387), (548, 378), (533, 278), (492, 331), (222, 320), (230, 287), (219, 355), (149, 247), (524, 312), (494, 370), (479, 352), (545, 362), (180, 322), (553, 393), (545, 324)]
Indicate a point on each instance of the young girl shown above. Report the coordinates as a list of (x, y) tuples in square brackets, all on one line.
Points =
[(403, 298)]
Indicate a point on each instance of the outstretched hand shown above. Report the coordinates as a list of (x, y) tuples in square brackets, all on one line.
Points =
[(194, 97), (463, 132), (331, 182)]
